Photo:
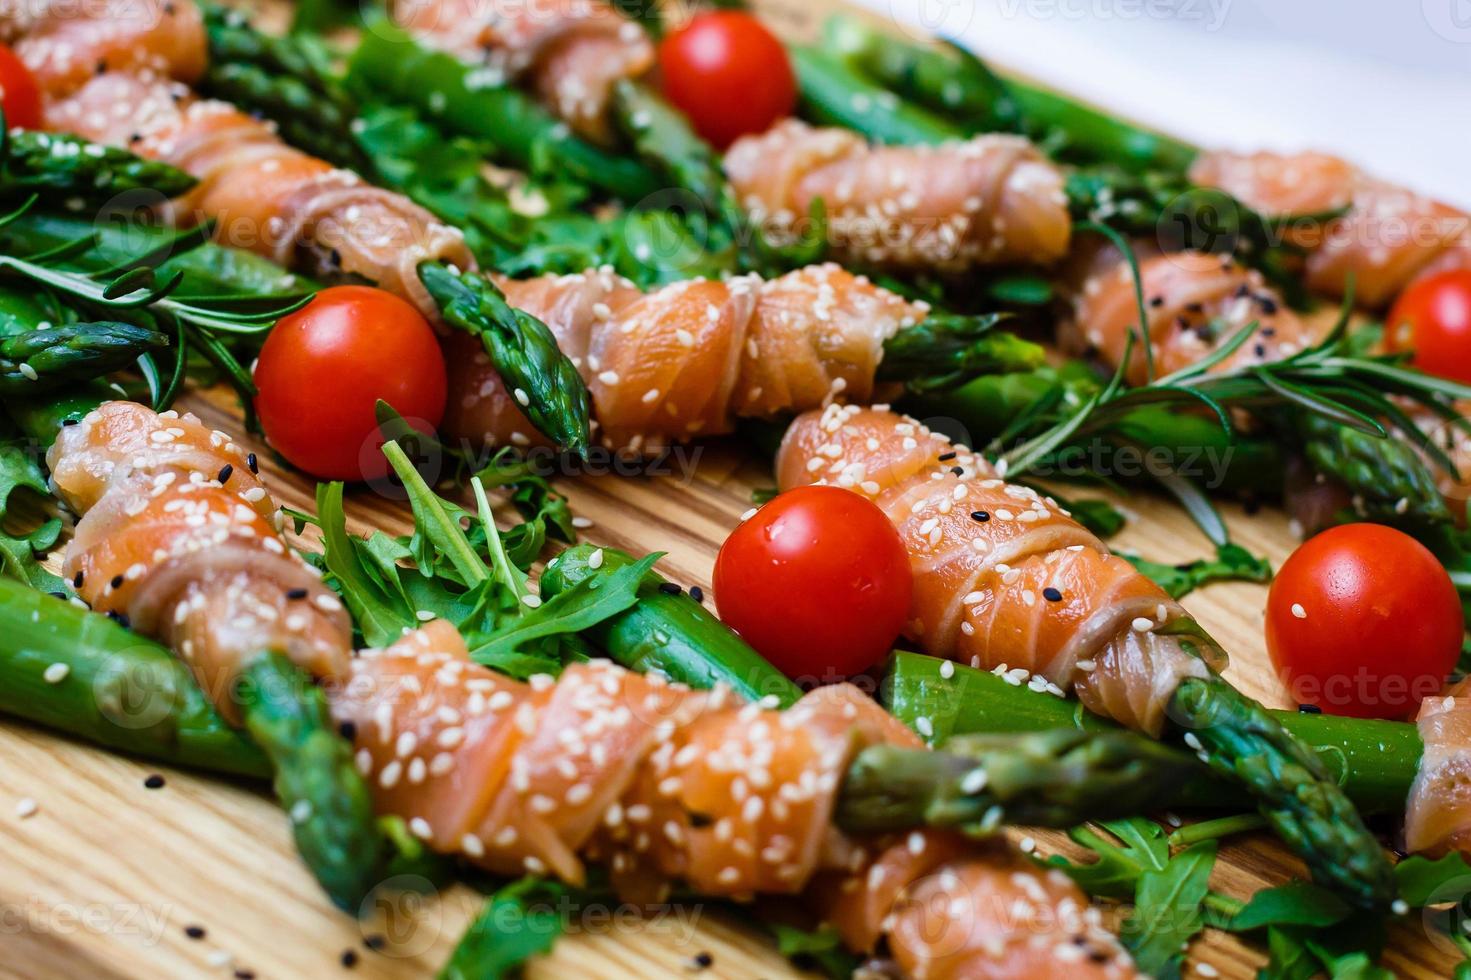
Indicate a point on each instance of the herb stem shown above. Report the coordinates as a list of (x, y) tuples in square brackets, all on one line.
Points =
[(1217, 828)]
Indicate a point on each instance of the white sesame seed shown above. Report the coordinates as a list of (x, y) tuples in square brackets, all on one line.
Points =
[(531, 601), (420, 828), (595, 560), (26, 807), (1142, 624), (947, 669), (56, 673), (923, 725), (1299, 611), (472, 846)]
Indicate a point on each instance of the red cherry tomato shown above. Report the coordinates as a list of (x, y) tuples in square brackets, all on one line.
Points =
[(324, 368), (729, 74), (1432, 317), (1362, 620), (19, 95), (817, 581)]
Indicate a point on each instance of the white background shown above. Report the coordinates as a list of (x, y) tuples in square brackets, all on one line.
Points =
[(1386, 83)]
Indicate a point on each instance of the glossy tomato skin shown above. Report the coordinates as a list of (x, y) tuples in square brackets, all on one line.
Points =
[(324, 368), (728, 74), (817, 581), (1432, 317), (20, 96), (1362, 620)]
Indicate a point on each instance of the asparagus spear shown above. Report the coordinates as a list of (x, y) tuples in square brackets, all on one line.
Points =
[(280, 79), (79, 170), (945, 349), (44, 359), (523, 350), (1057, 778), (128, 693), (835, 94), (463, 100), (1386, 477), (1238, 738), (952, 81)]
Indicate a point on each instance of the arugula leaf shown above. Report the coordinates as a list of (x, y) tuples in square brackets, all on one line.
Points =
[(579, 608), (1422, 881), (1167, 910), (545, 514), (1140, 845), (1297, 903), (1289, 956), (19, 472), (1232, 563), (822, 947), (519, 921)]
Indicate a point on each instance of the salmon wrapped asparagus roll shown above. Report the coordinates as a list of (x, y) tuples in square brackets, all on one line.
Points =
[(1005, 579), (992, 199), (179, 539), (1195, 303), (690, 358), (570, 52), (664, 784), (1438, 812), (1388, 237), (123, 81)]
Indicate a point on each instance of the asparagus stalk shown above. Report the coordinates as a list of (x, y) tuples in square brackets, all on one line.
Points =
[(834, 93), (44, 359), (279, 78), (1057, 778), (128, 693), (953, 82), (1293, 790), (523, 350), (462, 100), (670, 633), (82, 171), (1374, 761)]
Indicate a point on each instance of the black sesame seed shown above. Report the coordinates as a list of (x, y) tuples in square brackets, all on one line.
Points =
[(1051, 594), (980, 515), (958, 470), (1268, 331), (57, 595), (1156, 301), (669, 588), (1261, 350), (947, 457), (77, 580), (1243, 290), (348, 730), (703, 961), (194, 932), (1267, 303), (117, 582), (349, 958), (375, 941), (69, 421), (252, 463), (296, 593), (244, 975), (1194, 307), (697, 593), (1309, 709), (225, 471), (154, 781)]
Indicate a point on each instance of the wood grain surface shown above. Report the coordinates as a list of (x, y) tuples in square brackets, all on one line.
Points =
[(104, 879)]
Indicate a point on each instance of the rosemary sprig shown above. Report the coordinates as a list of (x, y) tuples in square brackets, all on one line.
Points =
[(144, 291)]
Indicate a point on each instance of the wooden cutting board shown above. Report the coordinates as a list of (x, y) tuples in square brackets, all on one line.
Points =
[(107, 877)]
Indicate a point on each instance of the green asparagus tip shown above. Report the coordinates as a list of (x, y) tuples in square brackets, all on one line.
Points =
[(316, 779), (524, 351), (1310, 812), (945, 350)]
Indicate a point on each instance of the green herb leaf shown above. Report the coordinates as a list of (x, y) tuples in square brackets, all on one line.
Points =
[(1167, 910), (821, 947), (1422, 880), (1297, 903), (518, 922), (1232, 563)]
